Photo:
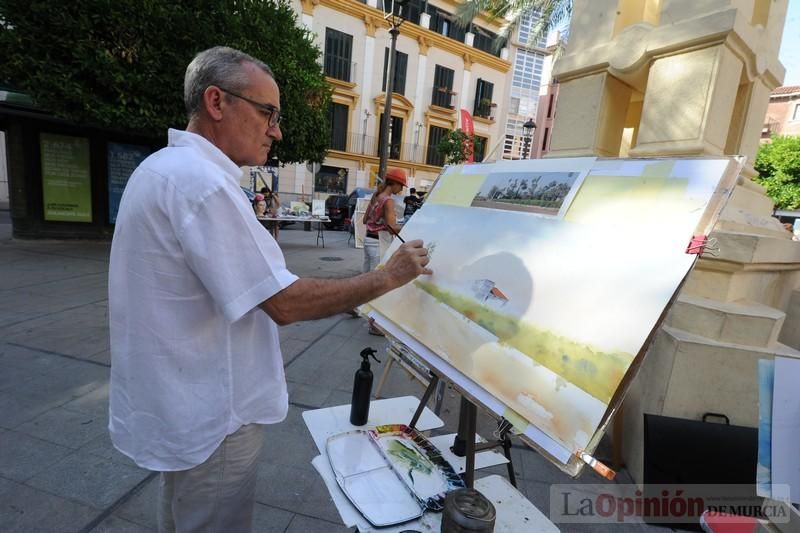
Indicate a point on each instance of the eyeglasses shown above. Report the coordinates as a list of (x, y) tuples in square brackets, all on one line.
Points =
[(272, 112)]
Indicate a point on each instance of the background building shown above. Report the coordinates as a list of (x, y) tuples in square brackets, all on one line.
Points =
[(440, 70), (783, 112), (532, 67)]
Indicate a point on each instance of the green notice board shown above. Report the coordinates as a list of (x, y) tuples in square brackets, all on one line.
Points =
[(66, 181)]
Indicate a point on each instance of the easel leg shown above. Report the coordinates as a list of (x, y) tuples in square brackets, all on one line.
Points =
[(460, 442), (384, 375), (512, 477), (469, 469), (439, 398), (425, 397), (464, 443)]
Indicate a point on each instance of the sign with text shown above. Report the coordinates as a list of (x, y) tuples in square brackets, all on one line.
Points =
[(122, 161), (66, 181)]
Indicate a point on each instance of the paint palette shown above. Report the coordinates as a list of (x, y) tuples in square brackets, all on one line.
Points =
[(391, 473)]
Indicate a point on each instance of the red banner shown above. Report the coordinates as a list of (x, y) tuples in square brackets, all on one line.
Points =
[(466, 123), (468, 127)]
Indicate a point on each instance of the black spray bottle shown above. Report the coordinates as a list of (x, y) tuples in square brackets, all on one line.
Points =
[(362, 388)]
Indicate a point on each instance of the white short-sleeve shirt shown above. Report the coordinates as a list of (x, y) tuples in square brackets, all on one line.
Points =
[(193, 358)]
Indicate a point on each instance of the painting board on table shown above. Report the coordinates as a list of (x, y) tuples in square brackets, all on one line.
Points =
[(785, 467), (766, 378), (391, 473), (542, 296), (299, 208)]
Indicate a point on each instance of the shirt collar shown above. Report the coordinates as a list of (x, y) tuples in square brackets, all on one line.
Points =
[(180, 138)]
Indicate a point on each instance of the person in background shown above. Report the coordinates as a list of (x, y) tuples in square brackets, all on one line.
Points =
[(412, 202), (196, 291), (273, 209), (260, 206), (379, 218)]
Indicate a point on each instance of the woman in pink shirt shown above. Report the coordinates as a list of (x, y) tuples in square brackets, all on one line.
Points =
[(380, 218)]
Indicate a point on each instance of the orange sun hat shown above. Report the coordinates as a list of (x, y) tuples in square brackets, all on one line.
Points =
[(397, 175)]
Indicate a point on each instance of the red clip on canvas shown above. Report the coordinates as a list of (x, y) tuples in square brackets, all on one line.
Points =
[(697, 245)]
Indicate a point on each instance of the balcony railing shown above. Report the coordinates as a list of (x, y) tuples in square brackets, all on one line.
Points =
[(485, 110), (443, 97), (340, 68), (358, 143)]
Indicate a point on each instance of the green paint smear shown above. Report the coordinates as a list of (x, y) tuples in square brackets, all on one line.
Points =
[(595, 371), (410, 457)]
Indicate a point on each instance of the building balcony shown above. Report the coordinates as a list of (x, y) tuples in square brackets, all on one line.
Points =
[(486, 109), (355, 143), (339, 68), (443, 97)]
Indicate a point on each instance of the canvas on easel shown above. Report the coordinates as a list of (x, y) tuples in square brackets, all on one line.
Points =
[(549, 278)]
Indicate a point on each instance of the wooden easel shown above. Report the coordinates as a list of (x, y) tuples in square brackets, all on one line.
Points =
[(398, 353), (464, 443)]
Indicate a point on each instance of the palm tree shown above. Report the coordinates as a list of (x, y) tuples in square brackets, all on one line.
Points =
[(552, 13)]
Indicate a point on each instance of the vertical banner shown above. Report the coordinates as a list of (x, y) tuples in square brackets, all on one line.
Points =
[(66, 181), (468, 127), (122, 161), (275, 182)]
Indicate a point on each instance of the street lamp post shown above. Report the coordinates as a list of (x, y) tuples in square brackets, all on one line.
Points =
[(386, 123), (528, 129)]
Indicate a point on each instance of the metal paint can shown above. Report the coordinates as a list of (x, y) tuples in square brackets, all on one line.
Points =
[(467, 511)]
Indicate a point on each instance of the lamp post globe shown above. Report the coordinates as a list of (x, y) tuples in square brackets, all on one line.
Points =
[(528, 129)]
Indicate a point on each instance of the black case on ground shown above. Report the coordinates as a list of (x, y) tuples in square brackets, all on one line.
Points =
[(678, 451)]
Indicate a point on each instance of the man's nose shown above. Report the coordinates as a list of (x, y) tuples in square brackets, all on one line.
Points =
[(275, 132)]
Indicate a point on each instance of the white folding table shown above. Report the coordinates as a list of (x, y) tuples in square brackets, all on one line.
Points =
[(514, 512)]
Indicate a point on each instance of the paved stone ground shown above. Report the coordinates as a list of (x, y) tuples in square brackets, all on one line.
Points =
[(58, 470)]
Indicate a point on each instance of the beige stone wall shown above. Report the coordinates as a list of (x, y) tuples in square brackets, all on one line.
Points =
[(705, 68)]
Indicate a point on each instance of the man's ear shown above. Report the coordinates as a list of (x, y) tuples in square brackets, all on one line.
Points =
[(214, 102)]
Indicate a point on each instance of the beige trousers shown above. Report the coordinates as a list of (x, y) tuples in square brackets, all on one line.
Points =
[(217, 496)]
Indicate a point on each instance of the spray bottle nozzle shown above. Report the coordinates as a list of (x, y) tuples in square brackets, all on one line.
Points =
[(367, 352)]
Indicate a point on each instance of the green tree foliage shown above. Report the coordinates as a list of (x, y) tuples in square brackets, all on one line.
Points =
[(553, 13), (120, 63), (778, 167), (455, 146)]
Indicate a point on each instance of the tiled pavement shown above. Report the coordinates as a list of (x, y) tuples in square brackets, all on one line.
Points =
[(58, 470)]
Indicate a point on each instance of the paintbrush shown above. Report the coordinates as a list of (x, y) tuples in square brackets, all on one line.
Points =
[(393, 232), (596, 465)]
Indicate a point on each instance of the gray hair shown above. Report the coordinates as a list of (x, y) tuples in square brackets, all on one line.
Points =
[(220, 66)]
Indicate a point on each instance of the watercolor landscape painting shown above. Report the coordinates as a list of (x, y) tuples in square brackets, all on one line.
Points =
[(547, 313), (533, 192)]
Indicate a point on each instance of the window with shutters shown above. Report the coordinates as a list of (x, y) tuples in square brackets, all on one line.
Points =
[(443, 87), (337, 120), (479, 148), (483, 98), (338, 55), (445, 24), (396, 136), (435, 136), (400, 66), (485, 40)]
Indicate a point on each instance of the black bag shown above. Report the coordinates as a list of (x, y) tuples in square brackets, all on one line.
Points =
[(678, 451)]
